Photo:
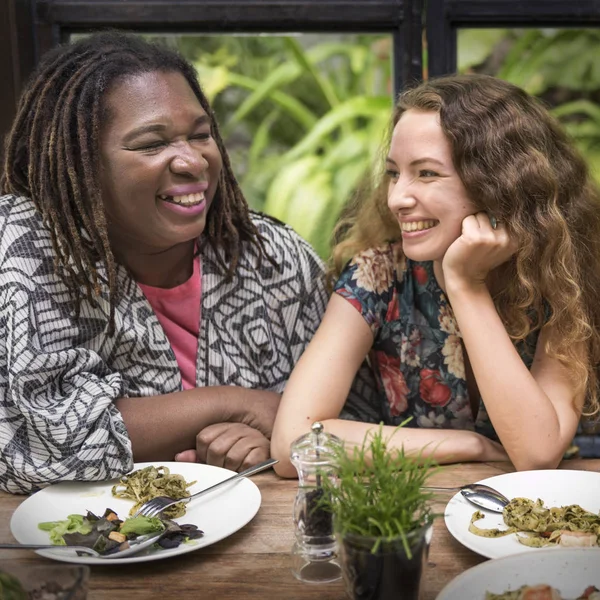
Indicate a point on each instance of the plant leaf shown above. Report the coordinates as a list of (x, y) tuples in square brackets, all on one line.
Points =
[(351, 109)]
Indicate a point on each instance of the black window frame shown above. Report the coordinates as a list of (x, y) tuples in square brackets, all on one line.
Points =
[(445, 17), (399, 18)]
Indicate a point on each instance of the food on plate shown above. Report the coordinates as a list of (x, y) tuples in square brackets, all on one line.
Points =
[(542, 592), (570, 526), (147, 483), (109, 534), (578, 539)]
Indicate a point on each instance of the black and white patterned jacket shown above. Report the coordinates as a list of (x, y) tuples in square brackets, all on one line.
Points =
[(59, 376)]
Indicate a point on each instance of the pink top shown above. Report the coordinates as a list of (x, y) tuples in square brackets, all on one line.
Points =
[(178, 311)]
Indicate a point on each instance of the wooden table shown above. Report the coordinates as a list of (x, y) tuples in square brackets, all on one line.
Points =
[(255, 562)]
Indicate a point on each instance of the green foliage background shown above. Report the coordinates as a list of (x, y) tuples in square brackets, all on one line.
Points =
[(560, 66), (304, 116)]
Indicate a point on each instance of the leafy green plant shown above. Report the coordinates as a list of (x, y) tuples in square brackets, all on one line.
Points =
[(379, 491), (558, 65)]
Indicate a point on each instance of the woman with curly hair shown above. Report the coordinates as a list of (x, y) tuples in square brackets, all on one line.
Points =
[(146, 312), (471, 289)]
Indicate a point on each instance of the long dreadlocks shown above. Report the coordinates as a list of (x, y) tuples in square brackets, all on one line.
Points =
[(52, 155)]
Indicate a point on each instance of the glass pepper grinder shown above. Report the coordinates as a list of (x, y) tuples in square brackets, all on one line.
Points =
[(314, 554)]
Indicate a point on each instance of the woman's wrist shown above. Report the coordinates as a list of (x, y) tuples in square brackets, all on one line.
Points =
[(474, 447), (256, 408), (492, 451), (459, 286)]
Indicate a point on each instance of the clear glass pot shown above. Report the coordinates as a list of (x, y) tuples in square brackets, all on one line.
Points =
[(315, 551), (389, 573)]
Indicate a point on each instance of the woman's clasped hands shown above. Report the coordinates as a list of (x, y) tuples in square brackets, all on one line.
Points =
[(239, 443), (234, 446)]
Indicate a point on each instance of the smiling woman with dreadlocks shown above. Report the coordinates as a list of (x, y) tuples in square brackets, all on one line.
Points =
[(145, 310)]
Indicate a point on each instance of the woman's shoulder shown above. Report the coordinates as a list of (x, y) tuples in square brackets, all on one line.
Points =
[(385, 261), (22, 231), (19, 213), (375, 271), (284, 245), (17, 205), (276, 231)]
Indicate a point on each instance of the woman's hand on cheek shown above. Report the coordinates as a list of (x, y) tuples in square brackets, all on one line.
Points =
[(477, 251)]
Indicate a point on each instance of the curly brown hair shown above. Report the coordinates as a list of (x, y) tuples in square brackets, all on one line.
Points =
[(52, 156), (518, 164)]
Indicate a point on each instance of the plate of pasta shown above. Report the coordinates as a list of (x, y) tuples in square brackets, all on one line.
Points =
[(66, 508), (563, 505), (547, 574)]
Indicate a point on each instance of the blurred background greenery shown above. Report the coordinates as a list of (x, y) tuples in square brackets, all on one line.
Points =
[(304, 116)]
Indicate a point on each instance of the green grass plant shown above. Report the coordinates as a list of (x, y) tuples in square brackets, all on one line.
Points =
[(378, 491)]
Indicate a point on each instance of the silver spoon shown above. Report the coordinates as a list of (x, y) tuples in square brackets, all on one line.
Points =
[(482, 496), (136, 545)]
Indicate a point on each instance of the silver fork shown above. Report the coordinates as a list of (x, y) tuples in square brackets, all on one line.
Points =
[(137, 545), (155, 506)]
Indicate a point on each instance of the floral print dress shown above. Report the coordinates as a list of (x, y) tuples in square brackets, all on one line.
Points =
[(417, 355)]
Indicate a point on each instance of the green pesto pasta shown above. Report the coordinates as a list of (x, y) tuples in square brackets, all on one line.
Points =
[(541, 526), (514, 595), (150, 482)]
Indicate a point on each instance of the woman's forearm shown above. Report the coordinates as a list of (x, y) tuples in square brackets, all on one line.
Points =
[(161, 426), (443, 445), (523, 415)]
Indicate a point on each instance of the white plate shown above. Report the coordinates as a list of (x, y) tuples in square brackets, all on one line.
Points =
[(218, 514), (569, 570), (555, 487)]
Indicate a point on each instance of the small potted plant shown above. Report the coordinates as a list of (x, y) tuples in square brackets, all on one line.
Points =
[(382, 518)]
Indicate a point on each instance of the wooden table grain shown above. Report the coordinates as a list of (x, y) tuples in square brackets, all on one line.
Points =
[(255, 562)]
